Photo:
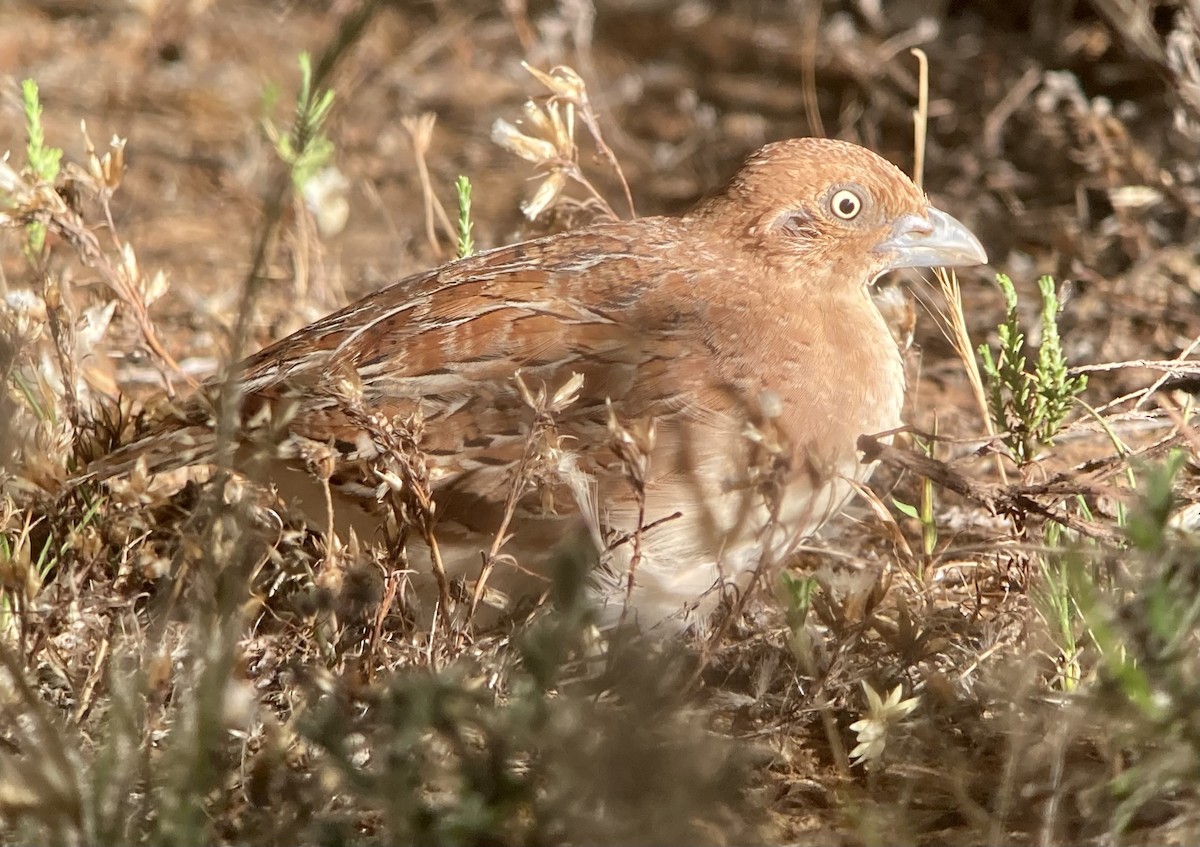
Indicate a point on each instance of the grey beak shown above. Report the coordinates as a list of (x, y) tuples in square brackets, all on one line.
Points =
[(932, 240)]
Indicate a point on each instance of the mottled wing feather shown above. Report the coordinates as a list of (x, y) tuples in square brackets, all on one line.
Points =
[(449, 343)]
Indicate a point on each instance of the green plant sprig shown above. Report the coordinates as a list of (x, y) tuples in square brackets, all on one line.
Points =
[(466, 243), (1029, 406), (305, 148), (42, 162)]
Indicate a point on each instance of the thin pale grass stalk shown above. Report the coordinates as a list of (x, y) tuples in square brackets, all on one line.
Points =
[(305, 251), (392, 579), (62, 327), (1181, 419), (518, 15), (920, 116), (636, 539), (766, 563), (1131, 422), (953, 321), (97, 667), (383, 213), (574, 172), (1161, 381), (106, 172), (634, 447), (885, 516), (1117, 401), (327, 493), (20, 579), (808, 70), (521, 479), (588, 116), (420, 131), (1120, 446), (1017, 96), (1172, 367), (635, 558), (419, 492), (1060, 791), (833, 732), (1003, 799)]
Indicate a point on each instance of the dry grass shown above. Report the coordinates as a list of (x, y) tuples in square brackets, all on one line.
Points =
[(182, 664)]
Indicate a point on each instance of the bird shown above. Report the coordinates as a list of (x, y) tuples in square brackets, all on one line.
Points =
[(679, 397)]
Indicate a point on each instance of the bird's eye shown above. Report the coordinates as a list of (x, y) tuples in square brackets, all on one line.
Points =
[(846, 204)]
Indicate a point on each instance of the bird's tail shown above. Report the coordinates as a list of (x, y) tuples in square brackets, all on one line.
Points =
[(157, 452)]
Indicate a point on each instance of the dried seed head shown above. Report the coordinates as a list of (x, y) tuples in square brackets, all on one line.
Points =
[(548, 136), (154, 287), (527, 396), (420, 130), (320, 458), (107, 170), (633, 443), (567, 393), (562, 81), (128, 268), (538, 118), (531, 149), (545, 195)]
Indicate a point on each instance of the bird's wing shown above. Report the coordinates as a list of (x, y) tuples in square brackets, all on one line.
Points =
[(447, 346)]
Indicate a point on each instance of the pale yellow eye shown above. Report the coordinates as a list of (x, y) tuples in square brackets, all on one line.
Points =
[(846, 204)]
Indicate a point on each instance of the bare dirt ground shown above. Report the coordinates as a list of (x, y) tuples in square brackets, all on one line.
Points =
[(174, 675)]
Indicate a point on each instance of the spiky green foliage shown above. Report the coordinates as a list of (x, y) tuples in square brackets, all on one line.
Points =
[(304, 148), (1030, 406), (42, 161), (466, 244)]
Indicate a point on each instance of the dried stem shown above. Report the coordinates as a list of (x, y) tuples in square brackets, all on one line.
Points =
[(60, 218), (954, 322), (420, 130), (633, 445)]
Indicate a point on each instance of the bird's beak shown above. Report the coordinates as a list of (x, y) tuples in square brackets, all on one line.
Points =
[(932, 240)]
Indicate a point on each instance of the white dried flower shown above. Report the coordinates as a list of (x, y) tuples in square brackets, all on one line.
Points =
[(536, 150), (881, 714), (546, 136), (546, 194)]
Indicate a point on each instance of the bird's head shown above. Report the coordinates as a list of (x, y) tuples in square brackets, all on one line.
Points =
[(814, 203)]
